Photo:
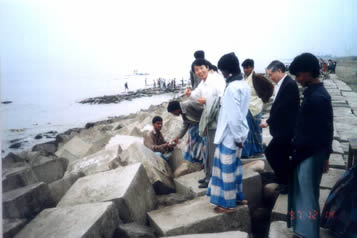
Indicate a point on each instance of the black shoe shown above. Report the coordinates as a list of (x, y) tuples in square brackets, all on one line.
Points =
[(202, 180), (203, 185)]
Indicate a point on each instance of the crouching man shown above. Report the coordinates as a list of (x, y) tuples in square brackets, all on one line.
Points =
[(156, 142)]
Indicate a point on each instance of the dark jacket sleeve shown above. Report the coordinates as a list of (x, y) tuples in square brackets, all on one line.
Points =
[(282, 118)]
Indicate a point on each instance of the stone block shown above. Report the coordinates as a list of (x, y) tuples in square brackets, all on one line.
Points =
[(336, 161), (59, 187), (187, 185), (260, 164), (103, 160), (157, 169), (12, 160), (48, 169), (171, 199), (329, 179), (134, 230), (228, 234), (26, 202), (123, 141), (74, 149), (84, 221), (280, 209), (252, 188), (197, 216), (12, 226), (278, 229), (17, 177), (336, 147), (128, 187)]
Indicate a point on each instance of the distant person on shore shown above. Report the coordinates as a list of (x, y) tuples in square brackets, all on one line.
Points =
[(155, 141), (154, 83), (312, 145), (126, 86), (281, 122), (208, 93), (253, 145), (226, 184), (194, 79), (190, 112)]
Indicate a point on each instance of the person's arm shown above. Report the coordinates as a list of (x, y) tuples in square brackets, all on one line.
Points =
[(149, 143), (236, 118), (183, 130)]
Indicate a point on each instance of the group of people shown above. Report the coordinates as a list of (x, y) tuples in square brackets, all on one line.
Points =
[(161, 83), (222, 116), (329, 67)]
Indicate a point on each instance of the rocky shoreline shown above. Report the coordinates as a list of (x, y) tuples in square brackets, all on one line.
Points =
[(100, 181)]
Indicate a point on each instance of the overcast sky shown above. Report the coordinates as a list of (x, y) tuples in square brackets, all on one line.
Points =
[(115, 37)]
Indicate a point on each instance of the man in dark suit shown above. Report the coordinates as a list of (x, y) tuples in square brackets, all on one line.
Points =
[(281, 122)]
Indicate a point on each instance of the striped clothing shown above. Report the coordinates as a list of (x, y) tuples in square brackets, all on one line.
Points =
[(226, 184), (253, 145), (195, 150)]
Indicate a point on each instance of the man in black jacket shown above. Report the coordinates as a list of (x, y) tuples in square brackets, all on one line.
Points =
[(281, 122)]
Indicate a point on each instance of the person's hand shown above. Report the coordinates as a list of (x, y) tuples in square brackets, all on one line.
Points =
[(176, 140), (263, 124), (202, 100), (326, 166), (188, 92), (240, 144)]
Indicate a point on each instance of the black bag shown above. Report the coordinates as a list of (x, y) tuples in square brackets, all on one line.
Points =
[(263, 87)]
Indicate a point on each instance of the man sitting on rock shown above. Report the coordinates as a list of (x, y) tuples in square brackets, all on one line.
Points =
[(156, 142)]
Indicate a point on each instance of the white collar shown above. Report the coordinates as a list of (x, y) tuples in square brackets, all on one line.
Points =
[(281, 81)]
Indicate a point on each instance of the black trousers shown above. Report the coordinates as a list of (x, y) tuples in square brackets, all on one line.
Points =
[(278, 154)]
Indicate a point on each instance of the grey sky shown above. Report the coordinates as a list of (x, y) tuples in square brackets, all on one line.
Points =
[(115, 37)]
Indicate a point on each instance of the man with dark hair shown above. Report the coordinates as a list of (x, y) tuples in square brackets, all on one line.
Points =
[(156, 142), (312, 145), (191, 112), (253, 145), (281, 122), (194, 79)]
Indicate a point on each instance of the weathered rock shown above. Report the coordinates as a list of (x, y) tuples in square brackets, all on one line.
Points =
[(49, 147), (123, 141), (329, 179), (48, 169), (12, 160), (280, 210), (13, 178), (59, 187), (198, 216), (103, 160), (256, 165), (26, 202), (85, 221), (134, 230), (157, 169), (74, 149), (336, 161), (187, 185), (278, 229), (228, 234), (187, 168), (336, 147), (12, 226), (171, 199), (122, 186)]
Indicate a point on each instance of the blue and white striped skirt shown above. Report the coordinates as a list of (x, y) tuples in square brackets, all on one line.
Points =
[(226, 185), (253, 145), (195, 150)]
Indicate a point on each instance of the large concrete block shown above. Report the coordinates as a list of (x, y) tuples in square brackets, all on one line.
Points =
[(84, 221), (60, 187), (17, 177), (12, 226), (128, 187), (157, 169), (329, 179), (252, 188), (228, 234), (74, 149), (198, 216), (279, 229), (48, 170), (187, 185), (26, 202), (336, 161), (280, 209), (123, 141), (336, 147), (103, 160), (257, 166)]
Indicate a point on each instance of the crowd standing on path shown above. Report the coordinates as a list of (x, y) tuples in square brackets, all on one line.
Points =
[(223, 118)]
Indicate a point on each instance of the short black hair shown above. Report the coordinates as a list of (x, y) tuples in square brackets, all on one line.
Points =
[(173, 106), (306, 62), (200, 62), (214, 68), (276, 65), (156, 119), (229, 63), (248, 63), (199, 54)]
